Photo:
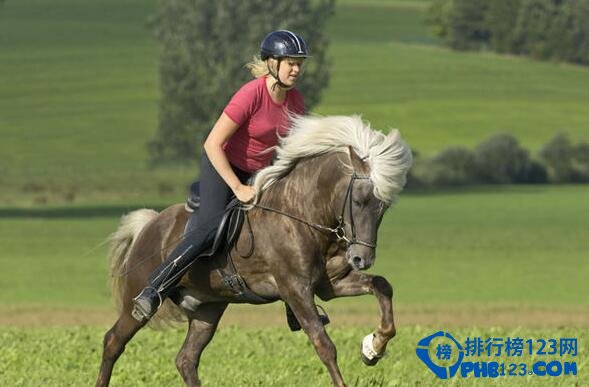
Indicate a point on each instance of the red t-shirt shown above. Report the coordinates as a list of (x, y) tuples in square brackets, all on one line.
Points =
[(259, 119)]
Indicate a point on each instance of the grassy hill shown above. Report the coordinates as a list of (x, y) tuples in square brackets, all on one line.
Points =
[(79, 94), (388, 67)]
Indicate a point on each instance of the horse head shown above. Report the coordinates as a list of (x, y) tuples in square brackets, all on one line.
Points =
[(360, 216)]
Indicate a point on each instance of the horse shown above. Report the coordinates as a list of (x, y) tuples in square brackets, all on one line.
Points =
[(311, 230)]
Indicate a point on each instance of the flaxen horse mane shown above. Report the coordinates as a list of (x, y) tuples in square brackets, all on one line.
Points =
[(388, 156)]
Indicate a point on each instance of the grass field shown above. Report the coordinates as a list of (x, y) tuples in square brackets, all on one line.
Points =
[(79, 94), (506, 245)]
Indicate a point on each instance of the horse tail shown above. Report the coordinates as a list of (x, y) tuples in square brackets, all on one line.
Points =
[(121, 242)]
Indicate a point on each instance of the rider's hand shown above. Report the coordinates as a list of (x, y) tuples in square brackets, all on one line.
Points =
[(245, 193)]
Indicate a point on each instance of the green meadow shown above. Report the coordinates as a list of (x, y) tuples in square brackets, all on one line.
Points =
[(79, 94), (78, 103), (486, 246)]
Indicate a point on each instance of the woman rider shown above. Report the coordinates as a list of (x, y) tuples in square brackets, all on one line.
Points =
[(233, 151)]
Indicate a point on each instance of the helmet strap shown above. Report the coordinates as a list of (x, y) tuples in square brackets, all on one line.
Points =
[(276, 76)]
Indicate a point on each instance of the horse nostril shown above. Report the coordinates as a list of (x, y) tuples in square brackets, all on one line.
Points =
[(357, 261)]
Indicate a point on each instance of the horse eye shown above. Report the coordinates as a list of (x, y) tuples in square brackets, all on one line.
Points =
[(356, 203)]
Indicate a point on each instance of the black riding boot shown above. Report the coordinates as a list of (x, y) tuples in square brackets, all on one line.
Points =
[(165, 277)]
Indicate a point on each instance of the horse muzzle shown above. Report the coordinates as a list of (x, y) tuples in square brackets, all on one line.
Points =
[(359, 261)]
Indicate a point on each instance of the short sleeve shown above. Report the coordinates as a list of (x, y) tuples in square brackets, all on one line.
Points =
[(242, 105), (298, 103)]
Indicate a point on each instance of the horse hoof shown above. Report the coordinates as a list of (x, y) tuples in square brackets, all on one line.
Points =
[(367, 352), (368, 361)]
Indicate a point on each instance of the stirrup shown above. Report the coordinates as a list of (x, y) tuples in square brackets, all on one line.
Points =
[(143, 304)]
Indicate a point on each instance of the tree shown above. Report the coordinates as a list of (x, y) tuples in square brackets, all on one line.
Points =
[(468, 29), (500, 19), (438, 17), (204, 46), (570, 32), (532, 33)]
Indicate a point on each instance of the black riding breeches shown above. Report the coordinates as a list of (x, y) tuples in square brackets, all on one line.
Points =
[(215, 194)]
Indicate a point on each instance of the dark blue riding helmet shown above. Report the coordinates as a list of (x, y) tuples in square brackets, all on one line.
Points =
[(283, 43)]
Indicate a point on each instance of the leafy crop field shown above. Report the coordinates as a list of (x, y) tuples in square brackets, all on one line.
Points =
[(254, 357)]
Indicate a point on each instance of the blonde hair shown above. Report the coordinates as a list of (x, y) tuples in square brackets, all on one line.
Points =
[(258, 67)]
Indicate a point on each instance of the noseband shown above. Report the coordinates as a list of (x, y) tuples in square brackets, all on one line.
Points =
[(340, 230)]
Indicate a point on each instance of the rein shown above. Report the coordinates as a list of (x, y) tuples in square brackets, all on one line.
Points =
[(339, 231)]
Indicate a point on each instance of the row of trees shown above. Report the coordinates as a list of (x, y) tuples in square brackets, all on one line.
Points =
[(502, 160), (543, 29)]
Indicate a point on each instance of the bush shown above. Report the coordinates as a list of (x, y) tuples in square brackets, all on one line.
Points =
[(557, 155), (536, 173), (581, 161), (566, 163), (501, 160), (581, 154), (452, 167)]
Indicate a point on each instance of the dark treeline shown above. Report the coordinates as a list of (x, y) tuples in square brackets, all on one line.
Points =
[(542, 29), (502, 160)]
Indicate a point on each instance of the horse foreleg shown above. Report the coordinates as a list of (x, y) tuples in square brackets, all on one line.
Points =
[(356, 283), (202, 325), (114, 345), (383, 291), (302, 305)]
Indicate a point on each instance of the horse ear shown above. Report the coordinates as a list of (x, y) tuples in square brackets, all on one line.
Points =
[(394, 135), (357, 163)]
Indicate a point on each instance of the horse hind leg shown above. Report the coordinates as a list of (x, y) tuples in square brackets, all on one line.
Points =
[(114, 345), (202, 324)]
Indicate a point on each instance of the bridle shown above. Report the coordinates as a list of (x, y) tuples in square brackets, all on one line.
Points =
[(340, 230)]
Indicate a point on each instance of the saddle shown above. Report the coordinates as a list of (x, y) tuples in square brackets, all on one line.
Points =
[(226, 235), (229, 226)]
